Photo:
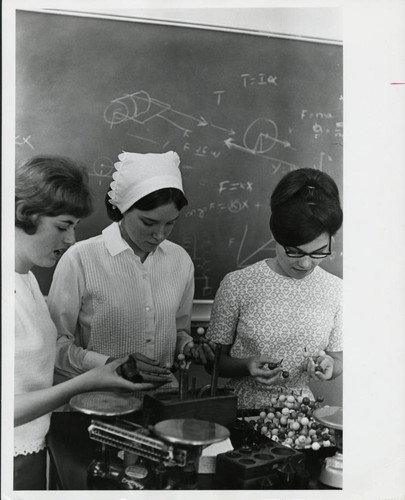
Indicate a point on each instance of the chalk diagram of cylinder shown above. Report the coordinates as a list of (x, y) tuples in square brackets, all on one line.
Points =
[(140, 108)]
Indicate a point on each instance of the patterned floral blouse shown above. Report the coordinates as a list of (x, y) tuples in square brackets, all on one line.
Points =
[(258, 311)]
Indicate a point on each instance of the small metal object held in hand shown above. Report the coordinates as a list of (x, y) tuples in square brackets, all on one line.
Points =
[(130, 372), (272, 366)]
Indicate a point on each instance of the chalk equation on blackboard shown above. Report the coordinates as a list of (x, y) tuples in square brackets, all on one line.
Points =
[(330, 127), (259, 79), (233, 206), (22, 140)]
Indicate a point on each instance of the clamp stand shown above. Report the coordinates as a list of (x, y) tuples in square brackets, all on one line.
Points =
[(332, 468)]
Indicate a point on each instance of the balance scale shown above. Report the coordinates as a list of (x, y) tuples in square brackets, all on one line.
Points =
[(332, 468), (168, 445)]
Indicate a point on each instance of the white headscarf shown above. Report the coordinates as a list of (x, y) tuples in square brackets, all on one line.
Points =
[(138, 175)]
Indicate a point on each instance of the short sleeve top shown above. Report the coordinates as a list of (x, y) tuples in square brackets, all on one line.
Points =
[(258, 311)]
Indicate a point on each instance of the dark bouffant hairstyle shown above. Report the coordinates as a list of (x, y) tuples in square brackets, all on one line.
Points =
[(149, 202), (49, 185), (304, 204)]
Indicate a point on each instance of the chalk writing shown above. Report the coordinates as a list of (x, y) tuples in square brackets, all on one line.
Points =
[(315, 114), (202, 151), (268, 247), (233, 206), (320, 165), (287, 166), (323, 124), (338, 129), (239, 121), (262, 135), (201, 262), (233, 186), (258, 79), (102, 167), (143, 138), (219, 93), (23, 140)]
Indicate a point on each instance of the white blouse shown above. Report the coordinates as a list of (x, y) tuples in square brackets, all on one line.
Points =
[(106, 302), (35, 346)]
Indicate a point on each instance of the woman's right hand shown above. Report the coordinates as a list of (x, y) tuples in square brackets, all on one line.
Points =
[(259, 368), (107, 377)]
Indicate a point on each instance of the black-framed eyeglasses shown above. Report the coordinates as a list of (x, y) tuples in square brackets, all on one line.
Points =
[(297, 253)]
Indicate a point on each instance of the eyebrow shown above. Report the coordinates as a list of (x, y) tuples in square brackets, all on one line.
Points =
[(69, 222), (154, 220), (313, 251)]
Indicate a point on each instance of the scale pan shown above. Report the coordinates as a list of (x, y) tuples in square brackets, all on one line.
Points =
[(191, 432), (106, 404)]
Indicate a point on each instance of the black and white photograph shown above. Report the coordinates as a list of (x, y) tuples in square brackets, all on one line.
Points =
[(209, 210)]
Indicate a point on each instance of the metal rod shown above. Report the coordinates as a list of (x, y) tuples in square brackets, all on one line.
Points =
[(215, 370), (183, 383), (193, 387)]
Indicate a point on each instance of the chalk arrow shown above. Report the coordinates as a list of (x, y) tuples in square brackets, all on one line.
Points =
[(286, 144), (230, 144), (203, 122), (230, 132)]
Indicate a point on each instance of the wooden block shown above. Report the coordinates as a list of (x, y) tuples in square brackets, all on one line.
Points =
[(221, 409)]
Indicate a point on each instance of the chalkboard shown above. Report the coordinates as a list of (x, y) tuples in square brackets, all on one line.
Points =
[(241, 109)]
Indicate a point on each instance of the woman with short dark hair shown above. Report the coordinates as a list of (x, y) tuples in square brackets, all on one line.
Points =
[(285, 308)]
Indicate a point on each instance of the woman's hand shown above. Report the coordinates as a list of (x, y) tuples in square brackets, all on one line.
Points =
[(108, 377), (201, 353), (261, 368), (139, 368), (322, 368)]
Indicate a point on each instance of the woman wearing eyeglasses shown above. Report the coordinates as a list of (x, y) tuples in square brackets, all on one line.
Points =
[(285, 308)]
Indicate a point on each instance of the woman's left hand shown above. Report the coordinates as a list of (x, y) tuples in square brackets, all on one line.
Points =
[(322, 369)]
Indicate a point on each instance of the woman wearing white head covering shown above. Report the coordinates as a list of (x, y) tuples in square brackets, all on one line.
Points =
[(128, 290)]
